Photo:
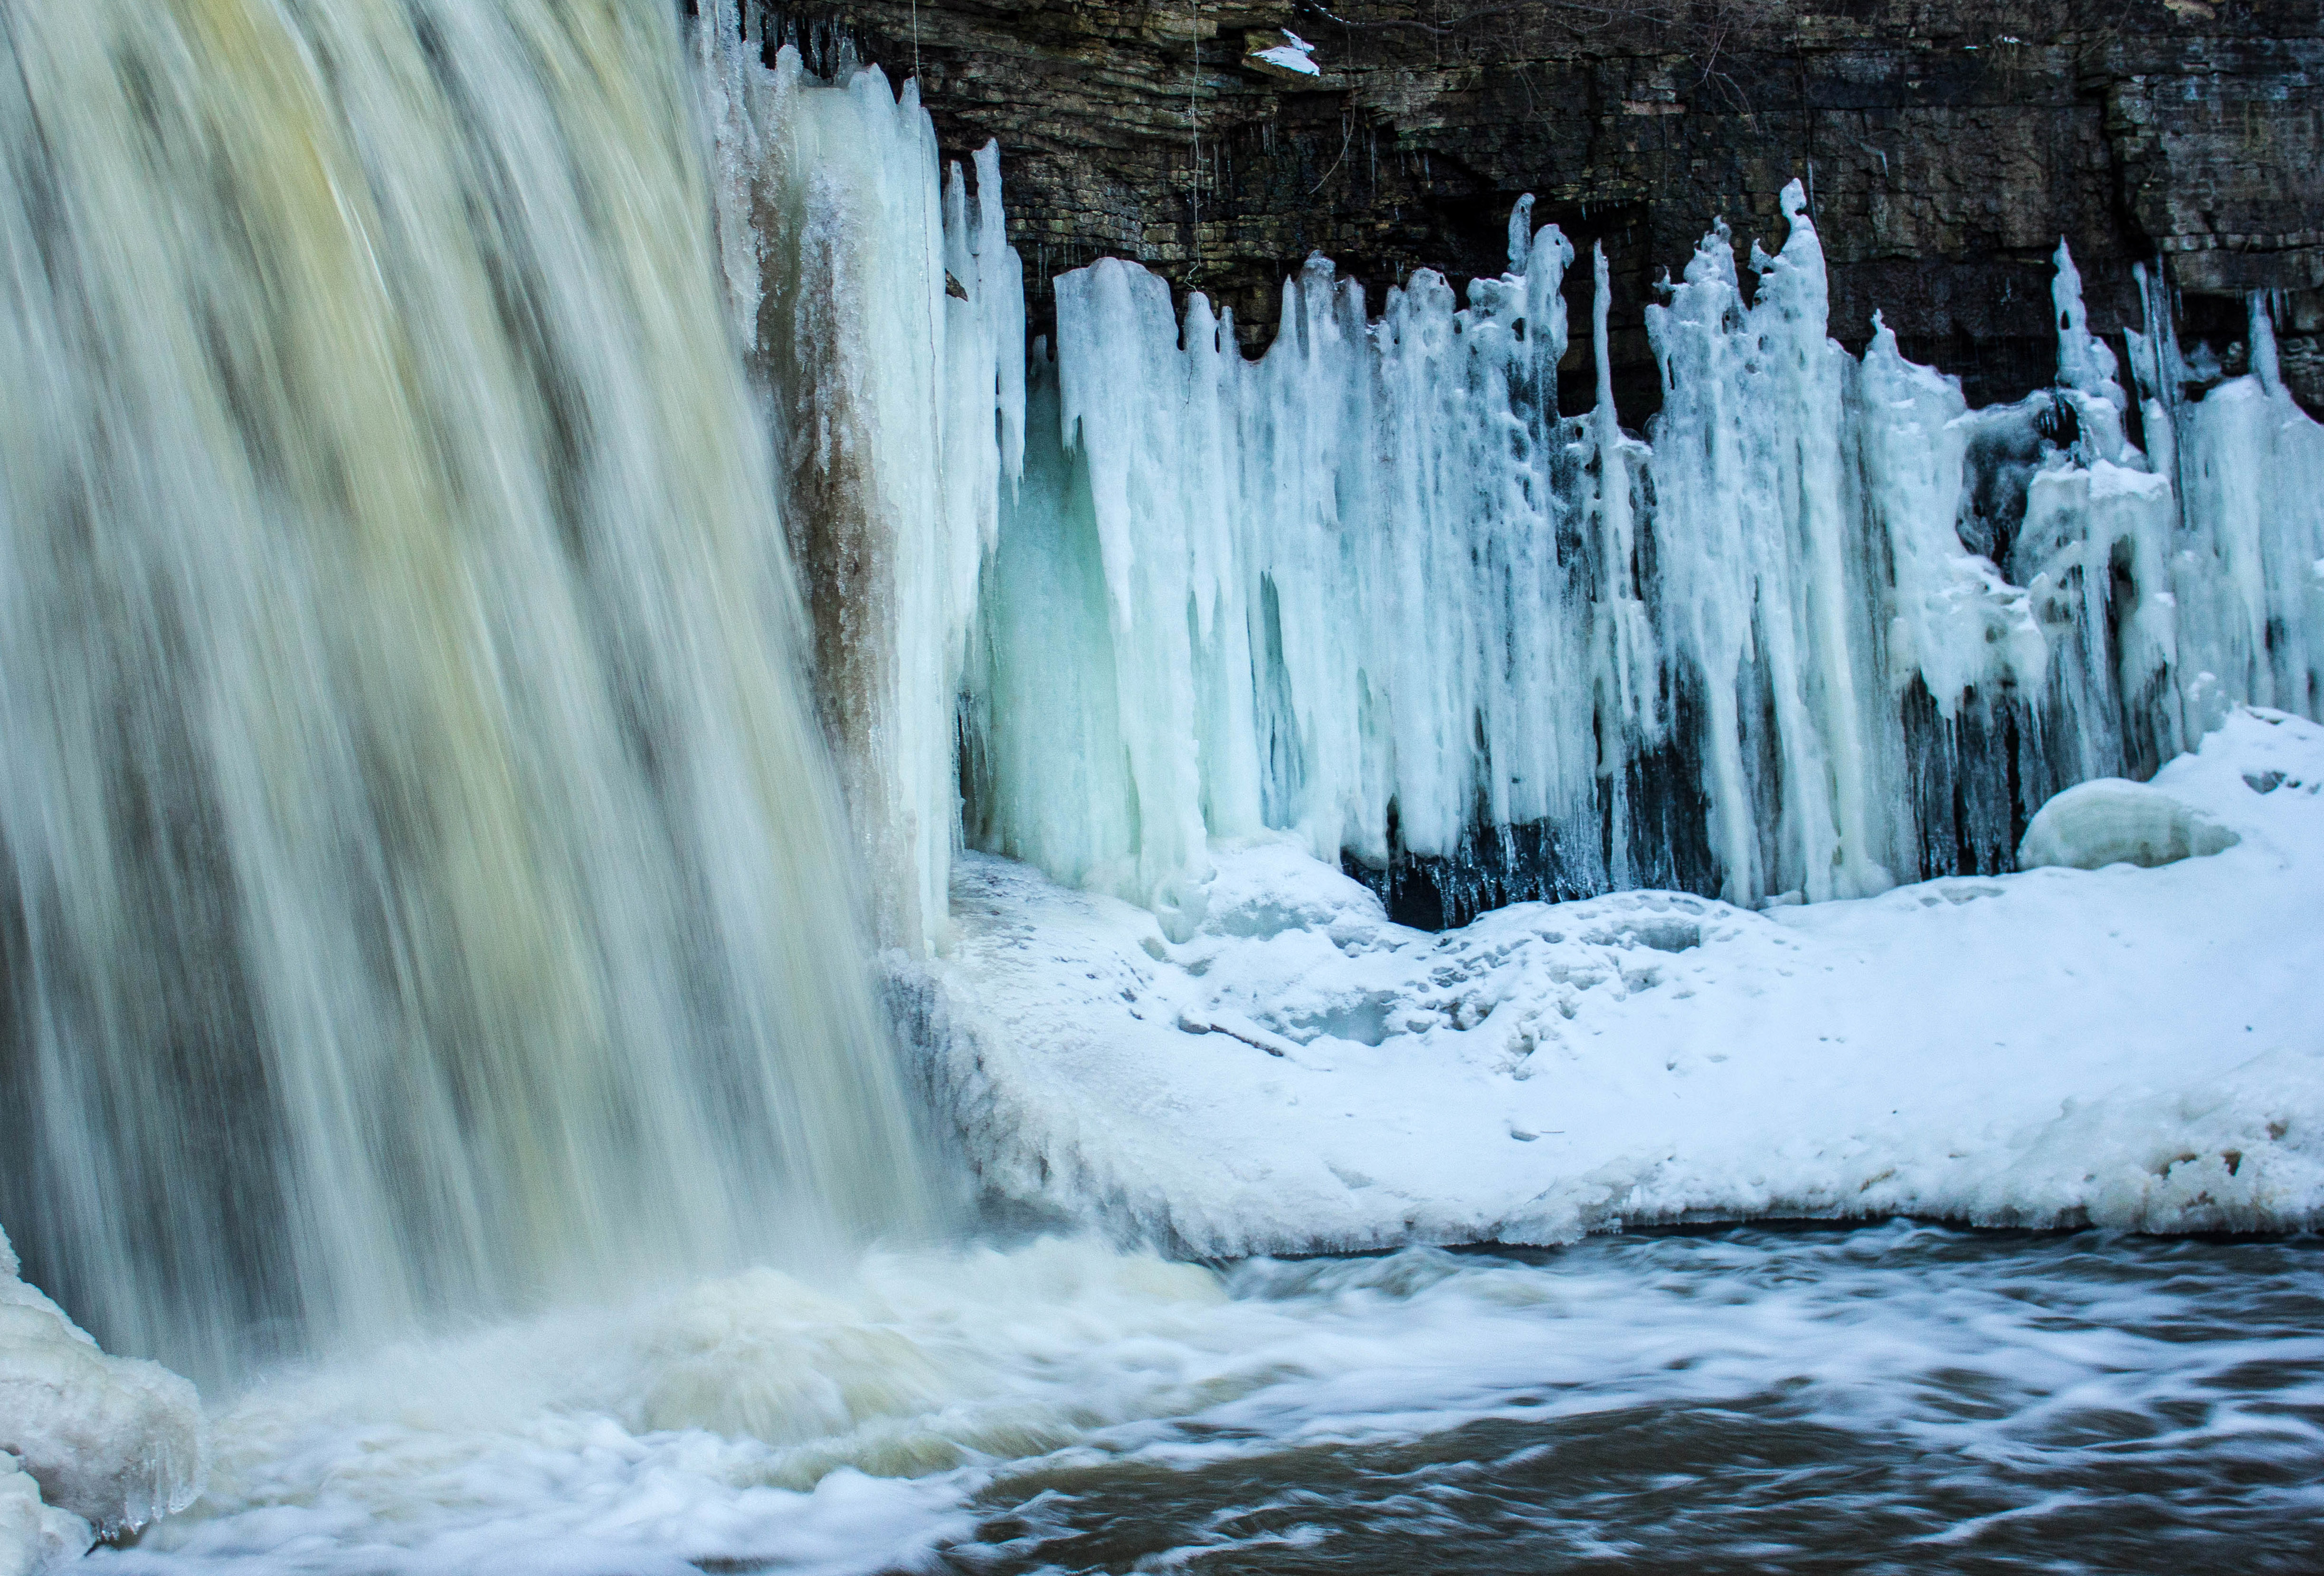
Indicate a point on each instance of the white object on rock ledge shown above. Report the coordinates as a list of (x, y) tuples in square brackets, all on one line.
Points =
[(1273, 51), (2112, 821), (90, 1444)]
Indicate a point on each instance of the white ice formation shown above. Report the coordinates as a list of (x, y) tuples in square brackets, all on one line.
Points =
[(884, 320), (90, 1446), (2112, 821), (2121, 1047), (1373, 590), (1824, 629), (1280, 52)]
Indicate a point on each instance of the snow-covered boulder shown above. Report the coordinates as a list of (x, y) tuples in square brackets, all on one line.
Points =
[(2112, 821), (90, 1446)]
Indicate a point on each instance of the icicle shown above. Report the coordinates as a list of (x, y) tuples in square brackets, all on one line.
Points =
[(1521, 233), (1954, 622), (2261, 340), (1627, 666), (2084, 361), (1000, 275), (2159, 375), (2248, 576)]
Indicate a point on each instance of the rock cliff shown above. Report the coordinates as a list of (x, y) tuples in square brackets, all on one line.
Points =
[(1947, 146)]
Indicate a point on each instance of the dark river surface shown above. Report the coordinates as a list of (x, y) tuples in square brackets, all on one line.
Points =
[(1906, 1399)]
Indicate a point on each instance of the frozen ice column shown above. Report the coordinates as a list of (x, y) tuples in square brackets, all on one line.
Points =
[(884, 316)]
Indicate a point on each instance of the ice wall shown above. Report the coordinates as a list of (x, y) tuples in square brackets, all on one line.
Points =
[(2247, 561), (1821, 629), (1824, 629), (885, 322), (1224, 518)]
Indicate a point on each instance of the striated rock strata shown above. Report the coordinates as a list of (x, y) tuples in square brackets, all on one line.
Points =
[(1947, 148)]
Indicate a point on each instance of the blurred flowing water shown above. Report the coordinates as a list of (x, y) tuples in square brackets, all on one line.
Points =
[(426, 888), (1905, 1399), (1900, 1398)]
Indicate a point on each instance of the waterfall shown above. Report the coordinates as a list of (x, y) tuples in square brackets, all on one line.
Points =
[(429, 887), (428, 892)]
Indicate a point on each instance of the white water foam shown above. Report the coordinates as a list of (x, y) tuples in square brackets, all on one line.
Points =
[(762, 1422)]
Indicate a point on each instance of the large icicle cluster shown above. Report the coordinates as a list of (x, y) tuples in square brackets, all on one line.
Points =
[(1830, 629), (885, 318), (1825, 629), (1278, 594), (2248, 564)]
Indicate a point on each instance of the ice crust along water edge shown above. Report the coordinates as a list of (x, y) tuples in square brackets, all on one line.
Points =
[(2124, 1046), (90, 1444)]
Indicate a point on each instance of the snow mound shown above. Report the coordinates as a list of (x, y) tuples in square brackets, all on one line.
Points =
[(34, 1535), (90, 1446), (2124, 1046), (2112, 821)]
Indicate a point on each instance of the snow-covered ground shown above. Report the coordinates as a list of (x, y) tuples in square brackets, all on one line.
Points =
[(2127, 1046), (90, 1444)]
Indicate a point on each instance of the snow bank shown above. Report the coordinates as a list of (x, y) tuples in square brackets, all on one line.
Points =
[(2112, 821), (90, 1446), (2124, 1046)]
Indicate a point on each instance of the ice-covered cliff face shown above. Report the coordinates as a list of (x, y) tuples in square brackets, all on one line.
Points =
[(884, 320), (1823, 629)]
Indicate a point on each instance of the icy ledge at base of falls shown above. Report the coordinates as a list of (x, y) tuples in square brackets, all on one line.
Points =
[(2129, 1047), (90, 1444)]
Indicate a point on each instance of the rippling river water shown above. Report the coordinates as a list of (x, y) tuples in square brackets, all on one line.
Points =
[(1900, 1398)]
